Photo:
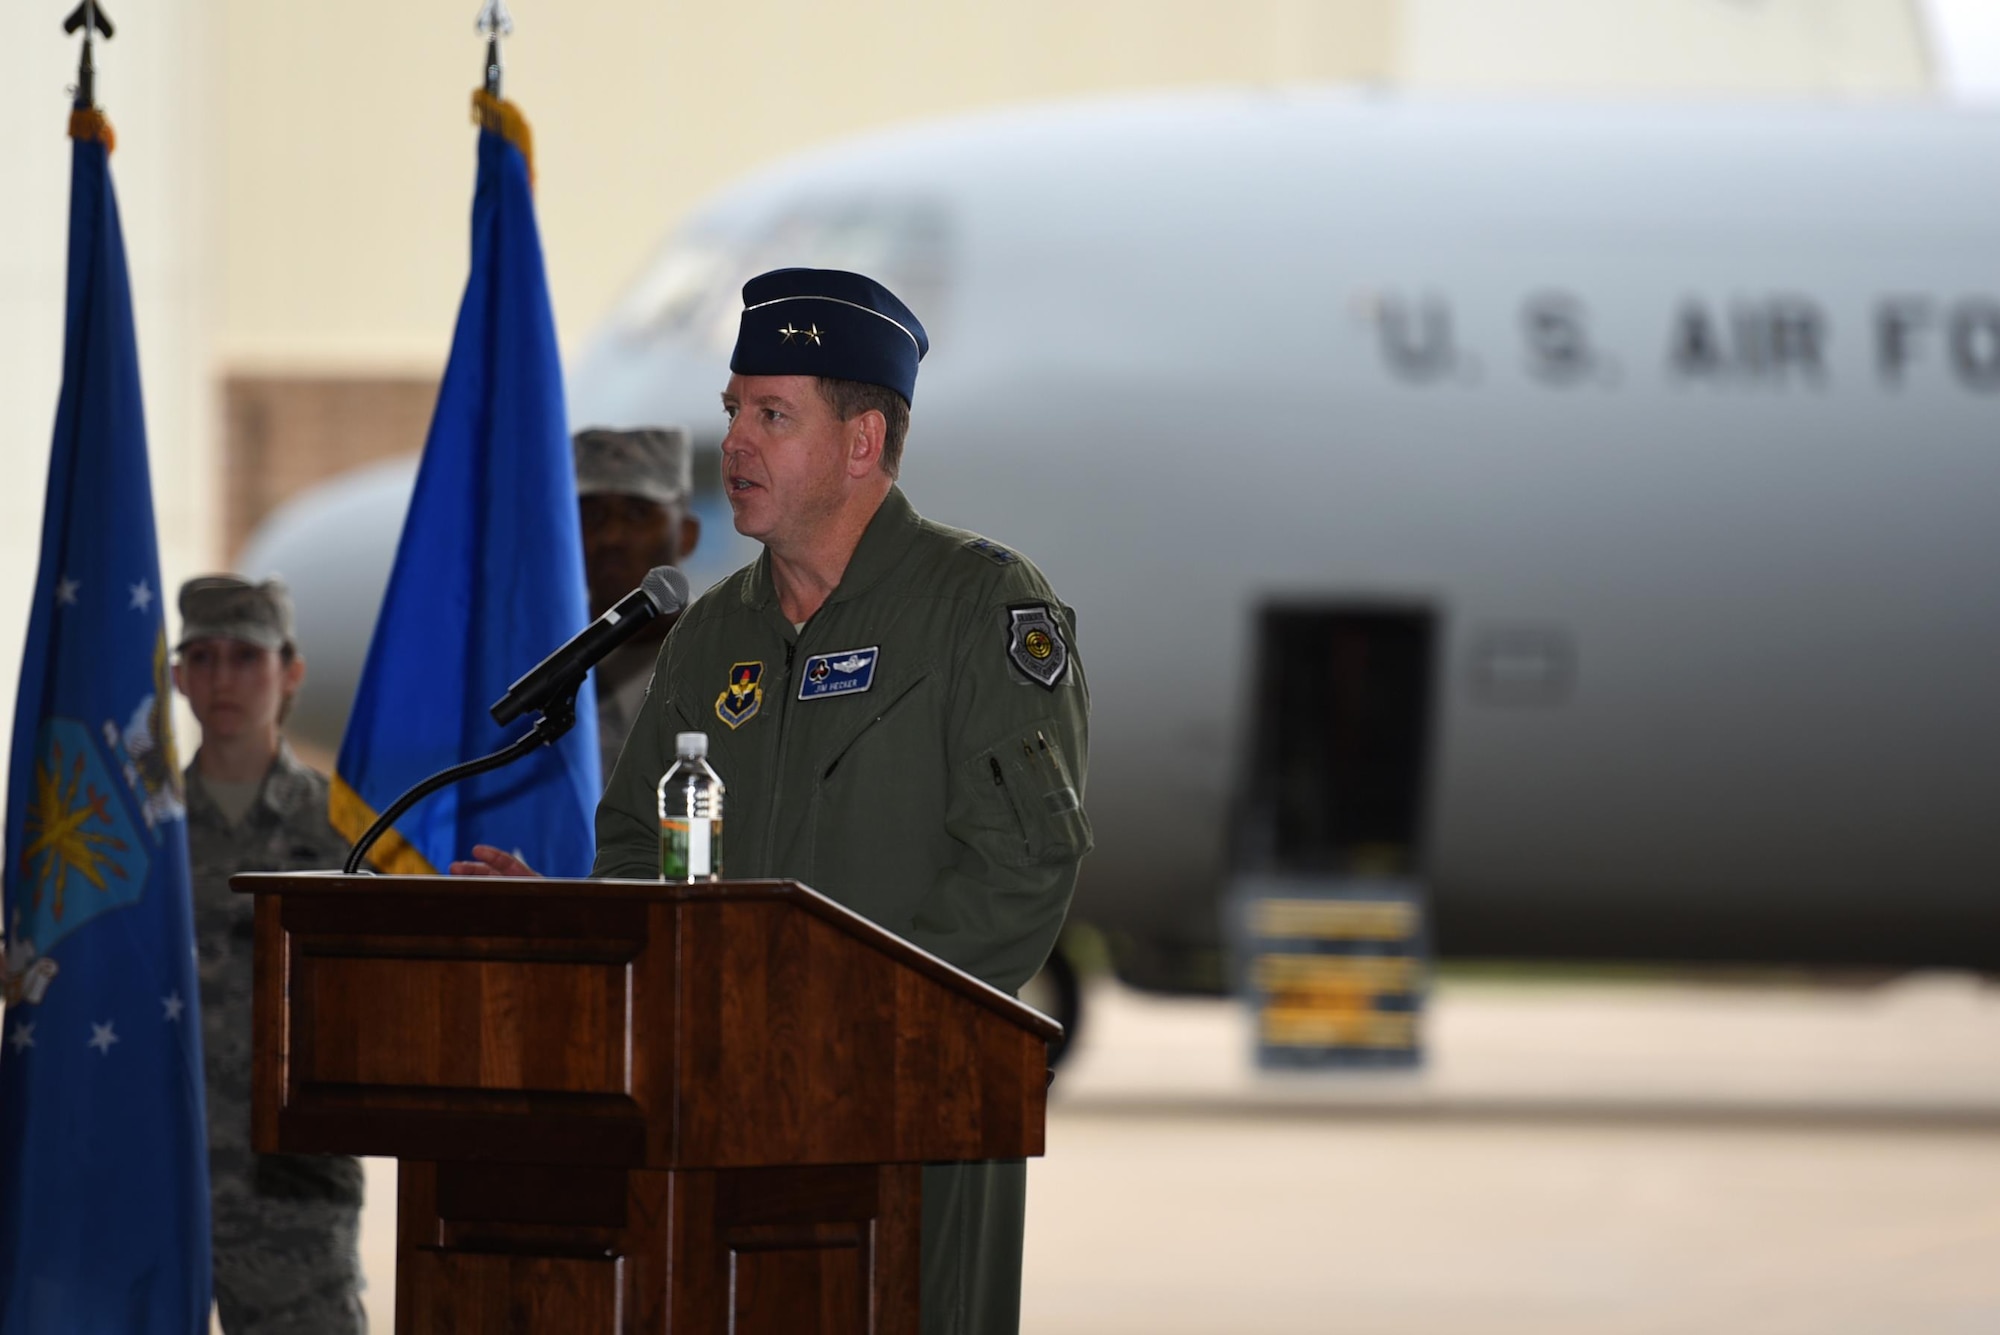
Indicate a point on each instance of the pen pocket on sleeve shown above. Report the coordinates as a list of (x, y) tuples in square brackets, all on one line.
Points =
[(1031, 775)]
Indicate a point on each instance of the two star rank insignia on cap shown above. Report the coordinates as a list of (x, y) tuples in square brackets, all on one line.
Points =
[(1035, 643), (810, 334)]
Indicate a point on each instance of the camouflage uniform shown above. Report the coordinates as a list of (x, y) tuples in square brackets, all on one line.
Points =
[(654, 464), (286, 1227), (620, 692)]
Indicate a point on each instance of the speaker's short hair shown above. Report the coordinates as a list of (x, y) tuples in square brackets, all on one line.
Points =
[(851, 398)]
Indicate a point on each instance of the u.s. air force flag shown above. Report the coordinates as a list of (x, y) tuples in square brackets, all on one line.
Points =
[(103, 1160), (488, 578)]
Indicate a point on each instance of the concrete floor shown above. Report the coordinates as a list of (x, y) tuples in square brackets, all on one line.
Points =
[(1225, 1224), (1618, 1159)]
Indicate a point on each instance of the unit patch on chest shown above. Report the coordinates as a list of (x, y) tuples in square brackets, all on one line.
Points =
[(743, 696), (1035, 643), (843, 672)]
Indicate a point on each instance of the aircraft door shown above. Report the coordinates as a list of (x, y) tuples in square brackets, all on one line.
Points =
[(1340, 739)]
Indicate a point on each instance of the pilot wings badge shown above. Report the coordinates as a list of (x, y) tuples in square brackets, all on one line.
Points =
[(1035, 643)]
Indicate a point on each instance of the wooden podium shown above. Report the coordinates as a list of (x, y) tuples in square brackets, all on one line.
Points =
[(630, 1105)]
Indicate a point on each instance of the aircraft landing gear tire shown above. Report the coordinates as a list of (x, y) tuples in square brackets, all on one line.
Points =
[(1055, 993)]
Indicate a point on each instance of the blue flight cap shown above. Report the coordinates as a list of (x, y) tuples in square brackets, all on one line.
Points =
[(828, 322)]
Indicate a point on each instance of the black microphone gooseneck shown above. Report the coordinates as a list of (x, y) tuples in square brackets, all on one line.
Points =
[(551, 686), (558, 718)]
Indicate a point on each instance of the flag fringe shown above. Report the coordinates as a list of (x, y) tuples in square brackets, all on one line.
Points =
[(505, 119), (90, 123), (392, 853)]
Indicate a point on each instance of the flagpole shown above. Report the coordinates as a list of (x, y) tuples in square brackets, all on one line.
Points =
[(104, 1192), (93, 20), (499, 439), (494, 22)]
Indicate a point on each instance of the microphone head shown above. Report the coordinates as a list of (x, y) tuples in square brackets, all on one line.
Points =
[(667, 587)]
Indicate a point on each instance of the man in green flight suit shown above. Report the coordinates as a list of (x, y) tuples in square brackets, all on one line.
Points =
[(896, 708)]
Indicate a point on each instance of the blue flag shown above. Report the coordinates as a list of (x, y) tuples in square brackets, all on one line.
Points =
[(103, 1145), (488, 578)]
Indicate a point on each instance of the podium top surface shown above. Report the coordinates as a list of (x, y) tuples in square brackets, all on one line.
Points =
[(334, 884)]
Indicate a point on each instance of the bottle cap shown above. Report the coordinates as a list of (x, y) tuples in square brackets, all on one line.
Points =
[(691, 745)]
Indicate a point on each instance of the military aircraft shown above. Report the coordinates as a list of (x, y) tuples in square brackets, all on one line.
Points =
[(1589, 510)]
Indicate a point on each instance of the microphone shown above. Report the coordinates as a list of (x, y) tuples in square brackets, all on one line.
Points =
[(663, 592), (551, 687)]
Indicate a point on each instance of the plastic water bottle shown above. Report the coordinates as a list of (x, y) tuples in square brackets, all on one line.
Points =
[(691, 814)]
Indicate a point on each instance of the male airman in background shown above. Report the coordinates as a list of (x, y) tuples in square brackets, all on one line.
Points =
[(286, 1227), (632, 488)]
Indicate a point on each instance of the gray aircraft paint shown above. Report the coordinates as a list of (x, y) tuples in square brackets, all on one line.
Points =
[(1683, 418)]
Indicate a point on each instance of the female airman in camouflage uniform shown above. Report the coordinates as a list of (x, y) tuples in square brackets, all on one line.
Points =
[(286, 1227)]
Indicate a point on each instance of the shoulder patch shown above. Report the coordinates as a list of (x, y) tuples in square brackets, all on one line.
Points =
[(992, 551), (1035, 643)]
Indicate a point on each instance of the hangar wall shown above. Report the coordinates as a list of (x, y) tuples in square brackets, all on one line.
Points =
[(296, 179), (157, 82), (640, 114), (639, 111), (1730, 48)]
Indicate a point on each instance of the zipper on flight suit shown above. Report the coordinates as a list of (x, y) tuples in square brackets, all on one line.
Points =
[(778, 770), (1007, 796)]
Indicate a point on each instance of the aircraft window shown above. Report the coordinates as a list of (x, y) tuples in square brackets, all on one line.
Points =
[(694, 289), (1523, 665), (670, 294)]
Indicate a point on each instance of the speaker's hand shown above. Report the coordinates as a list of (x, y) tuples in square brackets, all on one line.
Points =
[(490, 861)]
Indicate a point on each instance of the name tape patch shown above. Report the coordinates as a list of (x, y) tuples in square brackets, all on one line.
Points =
[(843, 672)]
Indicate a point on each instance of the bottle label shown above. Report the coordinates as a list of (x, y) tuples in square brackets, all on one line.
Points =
[(700, 853), (689, 850), (673, 850)]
